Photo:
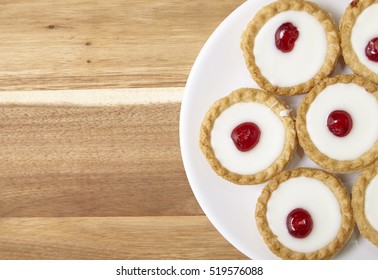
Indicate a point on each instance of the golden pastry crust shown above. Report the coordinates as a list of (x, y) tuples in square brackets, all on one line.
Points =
[(330, 164), (347, 224), (248, 95), (249, 35), (354, 9), (358, 203)]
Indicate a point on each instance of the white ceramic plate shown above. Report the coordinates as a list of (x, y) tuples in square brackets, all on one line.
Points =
[(218, 70)]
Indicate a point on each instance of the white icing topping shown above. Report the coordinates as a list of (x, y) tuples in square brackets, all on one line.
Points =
[(363, 109), (365, 29), (371, 203), (268, 149), (303, 62), (316, 198)]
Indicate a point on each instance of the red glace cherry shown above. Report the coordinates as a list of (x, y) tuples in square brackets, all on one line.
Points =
[(246, 136), (371, 50), (339, 123), (286, 35), (299, 223)]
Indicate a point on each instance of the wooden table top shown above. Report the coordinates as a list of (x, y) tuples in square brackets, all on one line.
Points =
[(80, 179)]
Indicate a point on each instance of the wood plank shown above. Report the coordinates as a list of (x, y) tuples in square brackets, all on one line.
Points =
[(104, 43), (113, 238), (92, 161)]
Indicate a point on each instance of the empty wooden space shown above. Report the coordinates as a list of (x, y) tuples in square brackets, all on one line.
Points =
[(113, 238), (97, 44), (99, 181)]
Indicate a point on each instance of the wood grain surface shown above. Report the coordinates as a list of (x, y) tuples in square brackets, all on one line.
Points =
[(99, 181), (103, 44), (113, 238), (92, 161)]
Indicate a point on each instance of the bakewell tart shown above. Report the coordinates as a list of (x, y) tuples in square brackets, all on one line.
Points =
[(337, 123), (290, 45), (248, 136), (365, 203), (359, 38), (305, 213)]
